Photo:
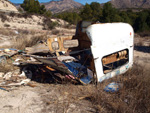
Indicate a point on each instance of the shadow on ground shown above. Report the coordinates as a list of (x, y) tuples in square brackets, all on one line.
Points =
[(145, 49)]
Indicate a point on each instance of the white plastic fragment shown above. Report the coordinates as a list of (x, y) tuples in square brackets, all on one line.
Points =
[(6, 50), (26, 81), (23, 82), (16, 63), (22, 74)]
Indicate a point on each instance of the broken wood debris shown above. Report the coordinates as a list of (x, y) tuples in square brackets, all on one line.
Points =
[(85, 57), (40, 63)]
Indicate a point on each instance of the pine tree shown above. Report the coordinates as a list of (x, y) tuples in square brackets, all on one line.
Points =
[(33, 6), (86, 13), (96, 11), (109, 13)]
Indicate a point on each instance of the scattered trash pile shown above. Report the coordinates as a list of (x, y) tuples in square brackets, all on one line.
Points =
[(46, 62), (91, 55)]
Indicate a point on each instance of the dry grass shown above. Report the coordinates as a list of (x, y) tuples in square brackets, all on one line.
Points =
[(23, 41), (55, 32), (144, 34), (7, 66), (7, 32), (133, 97)]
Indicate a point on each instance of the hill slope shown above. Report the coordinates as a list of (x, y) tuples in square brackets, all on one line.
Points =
[(131, 3), (7, 6), (62, 5)]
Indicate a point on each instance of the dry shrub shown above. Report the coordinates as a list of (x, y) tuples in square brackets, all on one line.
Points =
[(144, 34), (28, 32), (140, 43), (49, 25), (55, 32), (12, 14), (7, 32), (6, 25), (24, 31), (3, 17), (132, 98), (4, 68), (23, 15), (68, 26), (6, 65), (23, 41)]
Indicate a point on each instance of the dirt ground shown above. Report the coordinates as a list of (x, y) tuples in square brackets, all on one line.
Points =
[(45, 98), (58, 98)]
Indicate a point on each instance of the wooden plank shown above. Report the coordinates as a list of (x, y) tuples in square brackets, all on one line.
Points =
[(70, 43)]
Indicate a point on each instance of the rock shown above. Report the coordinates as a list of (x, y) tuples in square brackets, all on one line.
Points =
[(7, 76), (16, 72), (1, 74)]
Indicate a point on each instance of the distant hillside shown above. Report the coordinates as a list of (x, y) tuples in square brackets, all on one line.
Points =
[(131, 3), (62, 5), (17, 5)]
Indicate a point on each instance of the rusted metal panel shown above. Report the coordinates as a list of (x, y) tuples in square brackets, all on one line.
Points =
[(54, 63), (115, 57)]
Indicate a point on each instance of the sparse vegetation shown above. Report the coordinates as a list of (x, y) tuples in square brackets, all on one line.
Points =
[(48, 24), (55, 31), (71, 17), (22, 41), (133, 97), (7, 32)]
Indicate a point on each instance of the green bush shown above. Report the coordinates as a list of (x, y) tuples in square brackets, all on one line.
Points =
[(48, 24), (33, 6)]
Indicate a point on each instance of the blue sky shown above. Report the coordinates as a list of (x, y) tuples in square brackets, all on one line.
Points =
[(80, 1)]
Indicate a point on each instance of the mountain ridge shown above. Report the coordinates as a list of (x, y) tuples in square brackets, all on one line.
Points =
[(61, 5), (145, 4)]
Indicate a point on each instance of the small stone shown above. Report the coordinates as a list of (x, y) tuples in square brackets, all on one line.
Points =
[(16, 72), (1, 74), (7, 75)]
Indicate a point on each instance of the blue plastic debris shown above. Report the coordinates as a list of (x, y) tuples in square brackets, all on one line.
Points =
[(75, 68), (112, 87), (84, 74), (3, 89), (2, 59)]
